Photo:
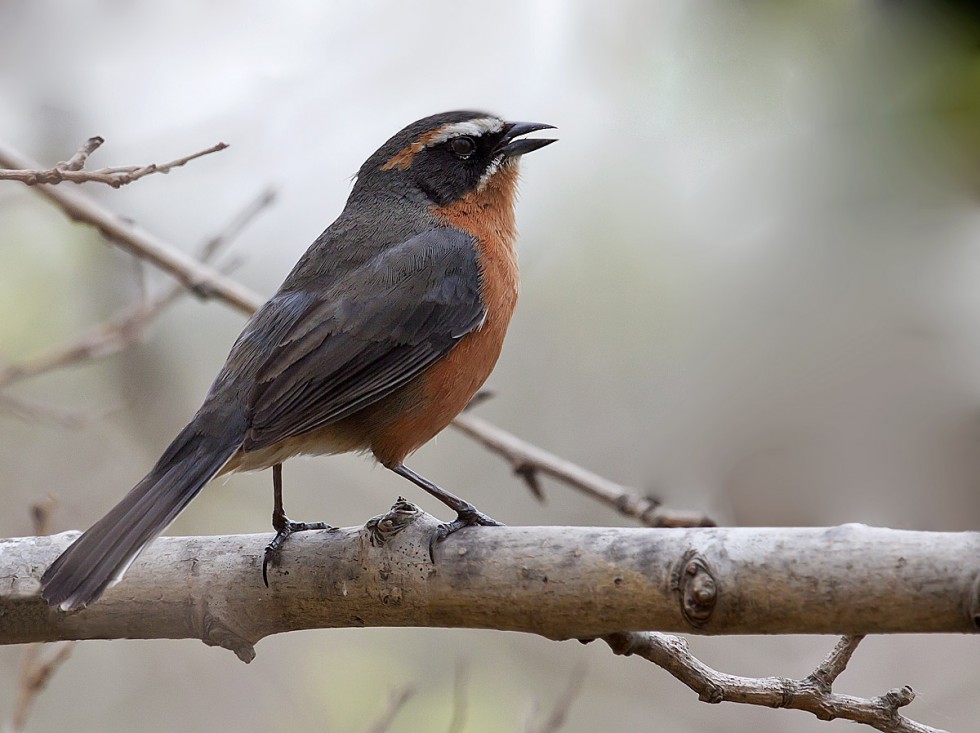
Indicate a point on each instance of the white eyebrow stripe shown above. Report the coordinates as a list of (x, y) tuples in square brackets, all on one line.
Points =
[(476, 127)]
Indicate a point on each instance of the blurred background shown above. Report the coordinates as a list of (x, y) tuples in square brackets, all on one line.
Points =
[(750, 287)]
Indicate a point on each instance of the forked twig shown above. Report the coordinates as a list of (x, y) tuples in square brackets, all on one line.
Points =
[(812, 694), (73, 169)]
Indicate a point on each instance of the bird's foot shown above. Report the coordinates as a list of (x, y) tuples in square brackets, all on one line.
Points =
[(284, 527), (469, 516)]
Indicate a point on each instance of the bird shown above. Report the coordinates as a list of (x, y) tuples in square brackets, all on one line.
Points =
[(378, 337)]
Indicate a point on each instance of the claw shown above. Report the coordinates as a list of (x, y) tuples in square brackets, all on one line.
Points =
[(285, 528), (470, 516)]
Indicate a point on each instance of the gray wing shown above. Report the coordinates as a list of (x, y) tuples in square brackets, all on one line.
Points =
[(365, 335)]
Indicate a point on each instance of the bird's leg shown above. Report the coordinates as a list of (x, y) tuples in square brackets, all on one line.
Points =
[(283, 525), (467, 515)]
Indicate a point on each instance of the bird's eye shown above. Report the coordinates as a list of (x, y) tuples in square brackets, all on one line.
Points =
[(463, 146)]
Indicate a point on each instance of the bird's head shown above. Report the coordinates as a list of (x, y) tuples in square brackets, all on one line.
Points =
[(449, 155)]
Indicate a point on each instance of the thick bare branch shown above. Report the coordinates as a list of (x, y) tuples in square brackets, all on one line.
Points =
[(672, 654), (559, 582), (72, 169)]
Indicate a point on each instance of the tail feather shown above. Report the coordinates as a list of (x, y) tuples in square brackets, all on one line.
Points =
[(102, 554)]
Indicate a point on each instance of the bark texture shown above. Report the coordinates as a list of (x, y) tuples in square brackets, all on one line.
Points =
[(559, 582)]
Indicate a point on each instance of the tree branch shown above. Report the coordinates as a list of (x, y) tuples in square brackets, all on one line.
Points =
[(396, 702), (672, 654), (203, 281), (558, 582), (528, 460), (129, 325), (35, 672), (71, 169), (562, 706)]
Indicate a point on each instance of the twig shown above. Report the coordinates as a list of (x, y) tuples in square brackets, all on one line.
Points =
[(824, 676), (559, 712), (129, 326), (71, 170), (811, 694), (35, 411), (34, 677), (528, 460), (203, 281), (34, 673), (77, 161), (396, 702), (460, 703)]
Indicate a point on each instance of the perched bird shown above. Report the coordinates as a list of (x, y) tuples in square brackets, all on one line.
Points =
[(381, 334)]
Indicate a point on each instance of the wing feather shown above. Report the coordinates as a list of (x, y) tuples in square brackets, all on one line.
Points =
[(356, 341)]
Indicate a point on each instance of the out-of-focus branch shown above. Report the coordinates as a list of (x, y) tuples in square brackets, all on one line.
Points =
[(34, 411), (812, 694), (528, 461), (461, 681), (35, 672), (556, 719), (203, 281), (129, 326), (72, 169), (396, 702)]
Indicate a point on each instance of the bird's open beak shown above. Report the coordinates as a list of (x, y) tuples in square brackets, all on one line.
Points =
[(510, 147)]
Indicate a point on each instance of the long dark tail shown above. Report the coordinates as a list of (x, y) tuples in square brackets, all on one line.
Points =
[(101, 555)]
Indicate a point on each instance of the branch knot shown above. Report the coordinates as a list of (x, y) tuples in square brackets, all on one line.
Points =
[(385, 526), (698, 589)]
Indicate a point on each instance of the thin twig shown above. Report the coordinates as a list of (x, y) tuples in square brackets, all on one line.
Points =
[(37, 412), (129, 326), (72, 169), (460, 702), (672, 654), (203, 281), (34, 673), (824, 676), (529, 460), (77, 161), (396, 701), (563, 705)]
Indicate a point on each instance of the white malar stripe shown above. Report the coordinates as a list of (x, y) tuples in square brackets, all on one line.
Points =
[(488, 173), (476, 127)]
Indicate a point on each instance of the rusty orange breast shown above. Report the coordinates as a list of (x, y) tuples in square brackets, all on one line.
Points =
[(447, 387)]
